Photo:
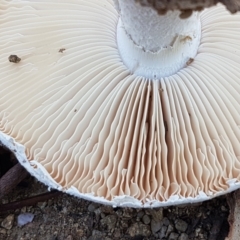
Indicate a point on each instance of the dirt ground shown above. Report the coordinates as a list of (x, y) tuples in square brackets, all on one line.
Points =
[(66, 217)]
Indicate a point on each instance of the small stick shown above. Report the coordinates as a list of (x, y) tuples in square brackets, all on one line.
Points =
[(29, 201), (11, 179)]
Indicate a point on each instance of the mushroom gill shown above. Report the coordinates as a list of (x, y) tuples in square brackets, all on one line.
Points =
[(80, 121)]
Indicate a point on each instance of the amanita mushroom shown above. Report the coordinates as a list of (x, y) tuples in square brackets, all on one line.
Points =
[(140, 109)]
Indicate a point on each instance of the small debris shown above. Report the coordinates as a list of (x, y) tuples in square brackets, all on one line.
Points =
[(185, 13), (7, 223), (181, 225), (61, 50), (109, 221), (42, 204), (92, 207), (189, 61), (146, 219), (14, 59), (24, 218), (162, 11), (139, 229), (186, 39)]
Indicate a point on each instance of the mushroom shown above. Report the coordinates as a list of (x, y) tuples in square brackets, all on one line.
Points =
[(140, 109)]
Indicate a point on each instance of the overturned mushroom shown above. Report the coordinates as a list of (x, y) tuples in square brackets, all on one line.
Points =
[(122, 117)]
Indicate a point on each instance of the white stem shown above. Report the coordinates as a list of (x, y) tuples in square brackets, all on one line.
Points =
[(153, 45)]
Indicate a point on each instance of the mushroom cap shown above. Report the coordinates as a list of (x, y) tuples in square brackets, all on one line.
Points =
[(80, 122)]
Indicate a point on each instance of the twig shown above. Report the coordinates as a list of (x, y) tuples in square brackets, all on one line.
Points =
[(29, 201), (11, 179)]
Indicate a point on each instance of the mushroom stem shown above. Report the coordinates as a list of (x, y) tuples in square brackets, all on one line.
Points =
[(154, 45)]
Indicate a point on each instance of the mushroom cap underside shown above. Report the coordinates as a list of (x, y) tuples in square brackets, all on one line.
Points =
[(79, 121)]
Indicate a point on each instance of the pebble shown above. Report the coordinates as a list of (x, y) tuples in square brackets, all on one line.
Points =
[(173, 236), (64, 210), (157, 214), (224, 209), (50, 202), (79, 233), (42, 204), (24, 209), (95, 238), (92, 207), (197, 231), (181, 225), (146, 219), (97, 211), (109, 221), (124, 224), (183, 236), (119, 212), (7, 223), (166, 221), (96, 235), (69, 237), (24, 218), (3, 231), (106, 209), (140, 214), (139, 229), (169, 229), (4, 201), (117, 233), (128, 212), (156, 226), (163, 231)]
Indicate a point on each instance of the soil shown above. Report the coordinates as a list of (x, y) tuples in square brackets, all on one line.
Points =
[(70, 218)]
